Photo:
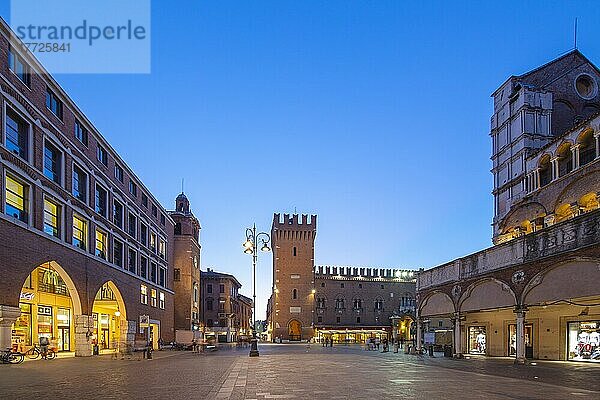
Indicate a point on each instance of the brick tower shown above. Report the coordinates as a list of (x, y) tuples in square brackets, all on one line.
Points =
[(293, 298)]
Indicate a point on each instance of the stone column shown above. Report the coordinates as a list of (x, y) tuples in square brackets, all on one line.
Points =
[(8, 315), (597, 141), (536, 178), (84, 327), (520, 339), (456, 338), (554, 164), (575, 157), (418, 335)]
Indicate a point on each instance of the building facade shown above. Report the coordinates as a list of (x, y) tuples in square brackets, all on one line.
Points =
[(86, 246), (186, 265), (345, 304), (224, 310), (534, 294)]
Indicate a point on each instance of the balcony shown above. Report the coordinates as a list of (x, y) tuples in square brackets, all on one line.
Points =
[(572, 234)]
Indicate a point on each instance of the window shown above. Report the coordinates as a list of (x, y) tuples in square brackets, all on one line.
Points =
[(119, 173), (153, 297), (81, 133), (357, 304), (101, 154), (161, 300), (162, 248), (221, 304), (131, 261), (118, 253), (79, 232), (101, 200), (144, 294), (209, 322), (382, 286), (118, 213), (378, 305), (358, 320), (339, 304), (79, 184), (177, 228), (320, 319), (143, 267), (132, 225), (154, 210), (53, 103), (322, 284), (209, 304), (320, 302), (337, 320), (153, 272), (153, 241), (295, 294), (145, 200), (144, 234), (360, 285), (176, 275), (163, 219), (17, 199), (221, 288), (17, 134), (195, 294), (162, 273), (52, 163), (209, 288), (341, 285), (100, 244), (294, 251), (17, 64), (132, 188), (440, 324), (51, 218)]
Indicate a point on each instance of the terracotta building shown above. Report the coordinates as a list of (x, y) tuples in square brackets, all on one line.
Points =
[(535, 293), (86, 248), (346, 304), (186, 265), (224, 312)]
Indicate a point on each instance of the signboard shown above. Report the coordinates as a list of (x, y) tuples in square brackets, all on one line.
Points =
[(429, 337), (144, 321), (27, 296)]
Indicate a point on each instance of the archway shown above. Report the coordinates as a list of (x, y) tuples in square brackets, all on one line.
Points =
[(49, 303), (109, 316), (437, 303), (295, 330)]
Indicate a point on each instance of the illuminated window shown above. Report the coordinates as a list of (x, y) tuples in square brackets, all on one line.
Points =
[(144, 294), (51, 218), (161, 301), (153, 297), (162, 248), (17, 201), (100, 244), (79, 232), (153, 241)]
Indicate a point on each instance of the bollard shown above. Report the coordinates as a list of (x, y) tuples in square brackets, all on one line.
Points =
[(149, 353), (431, 351)]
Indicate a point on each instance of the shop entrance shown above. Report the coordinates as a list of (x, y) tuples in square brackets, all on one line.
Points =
[(512, 340), (108, 314), (477, 340), (583, 341), (295, 330), (48, 301)]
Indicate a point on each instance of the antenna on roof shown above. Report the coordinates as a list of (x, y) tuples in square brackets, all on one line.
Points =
[(575, 35), (181, 185)]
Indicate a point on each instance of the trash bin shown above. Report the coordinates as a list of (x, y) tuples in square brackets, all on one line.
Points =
[(407, 349), (95, 350), (149, 352), (447, 351)]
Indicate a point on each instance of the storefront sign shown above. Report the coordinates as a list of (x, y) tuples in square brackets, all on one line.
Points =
[(27, 296), (44, 310), (144, 321)]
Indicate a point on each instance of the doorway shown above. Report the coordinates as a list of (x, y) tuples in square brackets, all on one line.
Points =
[(512, 340), (295, 330)]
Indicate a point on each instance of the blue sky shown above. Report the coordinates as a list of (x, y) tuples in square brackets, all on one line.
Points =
[(373, 115)]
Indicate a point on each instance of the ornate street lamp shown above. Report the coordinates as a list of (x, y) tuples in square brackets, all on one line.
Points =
[(251, 247)]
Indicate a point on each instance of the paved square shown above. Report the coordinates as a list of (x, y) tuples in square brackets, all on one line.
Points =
[(295, 372)]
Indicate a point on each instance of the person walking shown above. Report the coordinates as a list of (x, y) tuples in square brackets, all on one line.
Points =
[(402, 342), (44, 343)]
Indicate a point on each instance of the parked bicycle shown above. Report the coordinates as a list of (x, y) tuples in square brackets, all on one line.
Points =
[(35, 352), (9, 356)]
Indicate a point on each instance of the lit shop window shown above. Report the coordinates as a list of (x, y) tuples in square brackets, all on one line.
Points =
[(79, 233), (17, 199), (51, 218), (153, 297), (161, 301)]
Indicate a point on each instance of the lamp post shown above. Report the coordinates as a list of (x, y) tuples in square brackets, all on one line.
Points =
[(251, 247)]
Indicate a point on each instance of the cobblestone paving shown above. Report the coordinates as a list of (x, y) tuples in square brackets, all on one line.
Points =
[(295, 372)]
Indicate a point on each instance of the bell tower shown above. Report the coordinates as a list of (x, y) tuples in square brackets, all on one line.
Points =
[(293, 290)]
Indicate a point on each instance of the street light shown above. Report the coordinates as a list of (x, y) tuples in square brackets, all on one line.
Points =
[(250, 247)]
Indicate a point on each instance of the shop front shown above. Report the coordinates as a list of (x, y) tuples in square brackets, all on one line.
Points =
[(512, 340), (477, 340), (583, 338), (46, 311), (107, 316), (350, 336)]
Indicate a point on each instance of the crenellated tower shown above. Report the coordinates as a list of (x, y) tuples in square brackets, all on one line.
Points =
[(293, 294)]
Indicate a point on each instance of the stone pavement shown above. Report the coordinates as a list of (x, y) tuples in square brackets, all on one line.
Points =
[(296, 371)]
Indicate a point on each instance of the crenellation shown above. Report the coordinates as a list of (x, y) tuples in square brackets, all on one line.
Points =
[(364, 273)]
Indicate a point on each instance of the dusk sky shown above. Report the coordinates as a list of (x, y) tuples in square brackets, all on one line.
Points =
[(372, 115)]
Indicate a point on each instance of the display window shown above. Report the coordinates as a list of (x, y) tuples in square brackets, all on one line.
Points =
[(22, 328), (477, 340), (584, 341), (512, 340)]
